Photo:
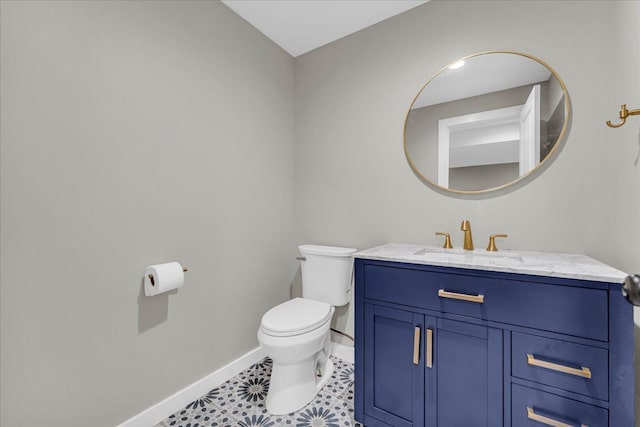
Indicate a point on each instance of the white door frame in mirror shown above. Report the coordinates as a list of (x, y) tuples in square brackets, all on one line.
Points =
[(504, 150), (530, 132)]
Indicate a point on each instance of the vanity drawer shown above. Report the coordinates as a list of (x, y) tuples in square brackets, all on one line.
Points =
[(535, 408), (570, 310), (573, 367), (401, 286)]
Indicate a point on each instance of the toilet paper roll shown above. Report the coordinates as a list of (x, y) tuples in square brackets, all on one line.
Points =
[(161, 278)]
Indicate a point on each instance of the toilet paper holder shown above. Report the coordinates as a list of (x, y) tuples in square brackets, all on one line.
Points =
[(153, 283)]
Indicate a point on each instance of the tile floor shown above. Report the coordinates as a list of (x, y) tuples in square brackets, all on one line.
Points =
[(240, 402)]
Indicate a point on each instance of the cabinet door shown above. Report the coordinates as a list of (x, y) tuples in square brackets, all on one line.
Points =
[(394, 384), (464, 383)]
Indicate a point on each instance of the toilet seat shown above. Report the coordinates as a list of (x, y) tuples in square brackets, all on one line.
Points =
[(296, 317)]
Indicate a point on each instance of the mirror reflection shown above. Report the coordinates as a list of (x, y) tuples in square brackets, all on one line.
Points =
[(486, 121)]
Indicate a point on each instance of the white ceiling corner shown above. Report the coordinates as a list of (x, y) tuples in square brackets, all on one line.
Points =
[(299, 26)]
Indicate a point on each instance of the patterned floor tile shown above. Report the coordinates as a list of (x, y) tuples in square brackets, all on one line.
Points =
[(193, 418), (240, 402), (321, 416), (248, 409), (265, 420)]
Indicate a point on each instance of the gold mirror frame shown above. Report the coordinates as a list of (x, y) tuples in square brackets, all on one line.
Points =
[(550, 156)]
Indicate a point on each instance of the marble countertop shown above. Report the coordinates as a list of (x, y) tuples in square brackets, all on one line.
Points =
[(571, 266)]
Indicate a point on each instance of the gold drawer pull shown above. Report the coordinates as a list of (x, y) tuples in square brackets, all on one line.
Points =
[(416, 345), (464, 297), (545, 420), (584, 372), (429, 348)]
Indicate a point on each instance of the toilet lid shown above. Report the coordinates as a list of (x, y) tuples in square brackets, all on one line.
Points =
[(295, 317)]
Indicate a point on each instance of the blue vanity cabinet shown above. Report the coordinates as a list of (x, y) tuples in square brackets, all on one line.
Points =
[(395, 394), (449, 347)]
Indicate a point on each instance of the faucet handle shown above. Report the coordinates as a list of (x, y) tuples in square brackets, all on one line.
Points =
[(447, 239), (492, 242)]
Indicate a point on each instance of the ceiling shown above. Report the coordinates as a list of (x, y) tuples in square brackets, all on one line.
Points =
[(480, 75), (299, 26)]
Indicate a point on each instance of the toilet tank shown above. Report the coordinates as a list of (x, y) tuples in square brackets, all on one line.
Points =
[(326, 273)]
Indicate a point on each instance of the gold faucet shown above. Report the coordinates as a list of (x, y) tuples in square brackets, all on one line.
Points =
[(492, 242), (468, 238), (447, 239)]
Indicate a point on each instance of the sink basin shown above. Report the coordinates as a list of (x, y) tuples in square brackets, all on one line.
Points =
[(452, 255)]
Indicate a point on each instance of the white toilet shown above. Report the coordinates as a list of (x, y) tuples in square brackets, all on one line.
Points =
[(296, 333)]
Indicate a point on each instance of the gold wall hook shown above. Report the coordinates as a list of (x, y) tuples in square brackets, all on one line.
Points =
[(624, 113), (447, 239)]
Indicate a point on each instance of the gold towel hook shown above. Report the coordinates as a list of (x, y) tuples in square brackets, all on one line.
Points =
[(624, 113)]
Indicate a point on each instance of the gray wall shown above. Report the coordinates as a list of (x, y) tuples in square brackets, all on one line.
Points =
[(353, 186), (135, 133)]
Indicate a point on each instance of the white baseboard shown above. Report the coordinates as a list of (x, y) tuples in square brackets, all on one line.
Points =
[(158, 412)]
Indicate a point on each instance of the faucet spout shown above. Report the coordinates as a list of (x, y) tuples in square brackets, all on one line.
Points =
[(468, 238)]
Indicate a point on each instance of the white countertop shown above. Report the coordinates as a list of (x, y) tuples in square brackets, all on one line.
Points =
[(571, 266)]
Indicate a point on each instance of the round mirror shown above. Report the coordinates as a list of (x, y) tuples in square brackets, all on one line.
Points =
[(486, 121)]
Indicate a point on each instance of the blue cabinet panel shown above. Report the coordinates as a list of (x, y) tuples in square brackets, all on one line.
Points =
[(621, 361), (570, 310), (529, 405), (542, 360), (394, 385), (469, 375)]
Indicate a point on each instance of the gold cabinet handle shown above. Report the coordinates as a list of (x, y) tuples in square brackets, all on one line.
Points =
[(583, 372), (416, 345), (546, 420), (464, 297), (429, 348)]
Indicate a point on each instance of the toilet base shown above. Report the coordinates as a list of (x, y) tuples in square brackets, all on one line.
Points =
[(294, 386)]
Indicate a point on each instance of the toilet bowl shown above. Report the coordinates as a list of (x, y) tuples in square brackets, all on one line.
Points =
[(296, 333), (299, 351)]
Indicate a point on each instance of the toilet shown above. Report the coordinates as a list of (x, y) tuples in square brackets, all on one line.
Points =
[(296, 333)]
